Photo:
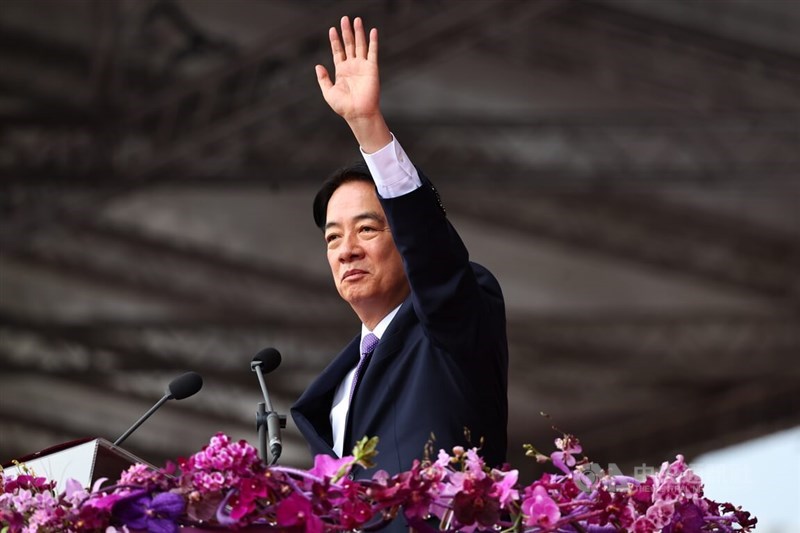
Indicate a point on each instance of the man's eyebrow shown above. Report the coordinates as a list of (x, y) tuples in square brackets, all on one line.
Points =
[(369, 215)]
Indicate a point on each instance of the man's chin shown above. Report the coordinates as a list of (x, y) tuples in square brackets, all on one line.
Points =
[(355, 295)]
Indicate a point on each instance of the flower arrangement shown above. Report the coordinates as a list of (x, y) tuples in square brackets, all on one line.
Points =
[(226, 485)]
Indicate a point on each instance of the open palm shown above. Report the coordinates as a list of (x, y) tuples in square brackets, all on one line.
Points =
[(355, 93)]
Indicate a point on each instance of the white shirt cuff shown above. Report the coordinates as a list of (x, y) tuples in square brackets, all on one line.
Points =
[(394, 174)]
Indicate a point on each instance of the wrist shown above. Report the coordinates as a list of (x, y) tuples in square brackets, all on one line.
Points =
[(370, 132)]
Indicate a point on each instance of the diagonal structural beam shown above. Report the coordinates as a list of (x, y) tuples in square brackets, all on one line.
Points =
[(249, 93), (216, 347), (647, 150), (617, 50), (203, 281), (268, 92), (658, 350), (665, 349), (642, 150), (698, 425), (647, 230)]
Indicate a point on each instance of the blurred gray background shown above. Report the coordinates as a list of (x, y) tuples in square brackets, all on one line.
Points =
[(627, 168)]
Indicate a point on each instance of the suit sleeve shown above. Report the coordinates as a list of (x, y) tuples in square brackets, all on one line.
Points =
[(459, 303)]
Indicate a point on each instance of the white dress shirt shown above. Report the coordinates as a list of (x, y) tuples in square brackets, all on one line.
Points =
[(341, 399)]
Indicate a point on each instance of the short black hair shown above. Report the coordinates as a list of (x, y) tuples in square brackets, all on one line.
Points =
[(355, 172)]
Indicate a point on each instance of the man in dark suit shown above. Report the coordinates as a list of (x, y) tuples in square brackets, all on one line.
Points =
[(441, 361)]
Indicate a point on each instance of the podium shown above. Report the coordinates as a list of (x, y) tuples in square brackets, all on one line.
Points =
[(84, 460)]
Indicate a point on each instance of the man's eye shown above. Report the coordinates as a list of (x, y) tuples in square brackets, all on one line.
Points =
[(330, 238), (367, 229)]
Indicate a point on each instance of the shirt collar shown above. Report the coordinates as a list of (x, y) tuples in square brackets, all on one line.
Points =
[(380, 329)]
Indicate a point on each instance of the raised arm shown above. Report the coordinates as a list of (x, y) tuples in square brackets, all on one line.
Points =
[(448, 298), (355, 93)]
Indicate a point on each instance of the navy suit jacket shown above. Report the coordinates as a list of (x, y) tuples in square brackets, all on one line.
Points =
[(441, 366)]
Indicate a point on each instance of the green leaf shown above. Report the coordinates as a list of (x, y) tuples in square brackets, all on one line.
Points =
[(365, 451), (530, 451)]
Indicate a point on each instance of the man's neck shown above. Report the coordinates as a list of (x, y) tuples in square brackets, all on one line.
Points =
[(372, 317), (380, 328)]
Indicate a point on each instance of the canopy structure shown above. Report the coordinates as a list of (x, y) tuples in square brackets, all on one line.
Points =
[(629, 171)]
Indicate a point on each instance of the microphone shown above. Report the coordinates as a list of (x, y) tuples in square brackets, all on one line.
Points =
[(269, 359), (268, 422), (179, 388)]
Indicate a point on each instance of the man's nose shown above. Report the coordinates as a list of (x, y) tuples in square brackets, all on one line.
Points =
[(350, 248)]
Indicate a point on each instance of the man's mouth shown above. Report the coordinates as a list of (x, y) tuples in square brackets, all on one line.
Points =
[(353, 273)]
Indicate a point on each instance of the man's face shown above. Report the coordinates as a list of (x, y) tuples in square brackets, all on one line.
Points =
[(364, 260)]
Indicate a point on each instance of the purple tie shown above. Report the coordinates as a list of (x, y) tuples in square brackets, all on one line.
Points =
[(367, 347)]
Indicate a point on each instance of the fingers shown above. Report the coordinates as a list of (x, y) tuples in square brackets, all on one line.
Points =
[(323, 78), (361, 42), (353, 41), (348, 38), (337, 50), (372, 52)]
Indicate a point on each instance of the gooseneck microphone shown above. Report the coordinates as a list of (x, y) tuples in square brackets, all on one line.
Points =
[(179, 388), (268, 359), (268, 422)]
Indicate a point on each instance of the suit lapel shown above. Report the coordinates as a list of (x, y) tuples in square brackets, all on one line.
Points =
[(312, 410), (395, 335), (333, 374), (373, 380)]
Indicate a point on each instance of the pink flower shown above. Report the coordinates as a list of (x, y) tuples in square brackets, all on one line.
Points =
[(503, 488), (36, 484), (675, 468), (540, 509), (355, 513), (417, 490), (219, 464), (226, 485), (660, 513), (103, 501), (667, 490), (643, 525), (690, 484), (327, 466), (564, 460), (250, 490), (475, 506), (209, 482), (443, 460), (143, 476), (453, 484), (297, 511), (475, 464)]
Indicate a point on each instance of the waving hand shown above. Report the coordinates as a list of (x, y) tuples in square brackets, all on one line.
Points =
[(355, 93)]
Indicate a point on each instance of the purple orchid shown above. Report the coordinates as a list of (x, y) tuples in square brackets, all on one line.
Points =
[(540, 509), (226, 485), (155, 514), (503, 489), (687, 518), (564, 459)]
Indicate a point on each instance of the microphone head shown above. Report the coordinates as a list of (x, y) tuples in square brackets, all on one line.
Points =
[(269, 359), (185, 385)]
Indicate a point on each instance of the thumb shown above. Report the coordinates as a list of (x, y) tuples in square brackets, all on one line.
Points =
[(323, 78)]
